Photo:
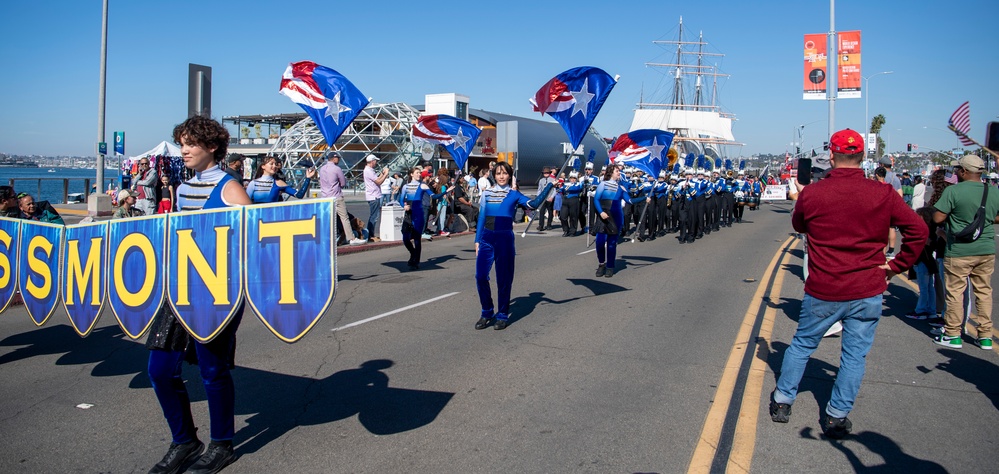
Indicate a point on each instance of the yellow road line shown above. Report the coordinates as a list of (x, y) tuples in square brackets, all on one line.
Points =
[(707, 443)]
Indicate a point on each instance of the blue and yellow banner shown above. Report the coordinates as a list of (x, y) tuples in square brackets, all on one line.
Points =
[(136, 277), (9, 233), (85, 264), (290, 265), (205, 283), (40, 247)]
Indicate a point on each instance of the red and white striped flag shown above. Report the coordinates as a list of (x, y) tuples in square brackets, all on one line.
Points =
[(960, 121)]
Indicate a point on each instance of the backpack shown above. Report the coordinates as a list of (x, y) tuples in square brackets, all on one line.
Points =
[(973, 230)]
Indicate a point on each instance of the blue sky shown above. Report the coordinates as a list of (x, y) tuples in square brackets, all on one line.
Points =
[(498, 53)]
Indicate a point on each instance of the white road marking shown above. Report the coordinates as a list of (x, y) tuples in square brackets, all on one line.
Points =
[(586, 252), (390, 313)]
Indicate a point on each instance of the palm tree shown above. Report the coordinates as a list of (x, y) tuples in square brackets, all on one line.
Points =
[(876, 123)]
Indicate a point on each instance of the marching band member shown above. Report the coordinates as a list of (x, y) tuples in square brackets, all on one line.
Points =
[(683, 197), (642, 198), (673, 205), (741, 193), (411, 198), (569, 214), (203, 145), (659, 193), (267, 187), (589, 182), (494, 243), (607, 202)]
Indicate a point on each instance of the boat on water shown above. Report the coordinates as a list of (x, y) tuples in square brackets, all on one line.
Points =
[(689, 108), (51, 170)]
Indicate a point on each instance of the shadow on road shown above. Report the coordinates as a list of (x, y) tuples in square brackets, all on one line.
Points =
[(817, 379), (599, 286), (895, 460), (790, 307), (983, 374), (522, 306)]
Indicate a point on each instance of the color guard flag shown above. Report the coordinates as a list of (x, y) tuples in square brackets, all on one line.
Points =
[(573, 99), (326, 95), (960, 123), (457, 135), (643, 149)]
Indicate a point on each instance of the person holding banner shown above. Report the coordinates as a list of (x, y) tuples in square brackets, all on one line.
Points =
[(494, 243), (411, 198), (203, 145), (607, 203), (267, 187)]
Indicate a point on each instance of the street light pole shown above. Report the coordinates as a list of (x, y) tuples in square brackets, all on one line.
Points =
[(867, 122)]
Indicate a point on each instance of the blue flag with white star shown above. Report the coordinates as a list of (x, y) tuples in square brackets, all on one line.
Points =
[(457, 135), (643, 149), (573, 99), (327, 96)]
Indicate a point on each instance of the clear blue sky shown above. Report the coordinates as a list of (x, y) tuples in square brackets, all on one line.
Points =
[(497, 53)]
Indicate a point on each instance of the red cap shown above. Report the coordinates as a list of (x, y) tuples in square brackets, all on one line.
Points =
[(846, 142)]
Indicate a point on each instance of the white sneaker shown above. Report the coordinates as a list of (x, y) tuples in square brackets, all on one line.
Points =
[(358, 242), (836, 328)]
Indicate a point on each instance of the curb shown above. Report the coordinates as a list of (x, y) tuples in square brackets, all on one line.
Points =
[(348, 249)]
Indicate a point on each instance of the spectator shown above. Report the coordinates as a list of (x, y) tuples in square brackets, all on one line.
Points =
[(40, 211), (847, 275), (8, 203), (926, 269), (484, 181), (896, 184), (145, 187), (547, 177), (907, 190), (235, 166), (126, 206), (167, 195), (396, 186), (463, 204), (386, 189), (918, 192), (331, 183), (373, 194), (968, 258)]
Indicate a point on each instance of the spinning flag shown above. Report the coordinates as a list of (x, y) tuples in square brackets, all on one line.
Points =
[(573, 99), (643, 149), (960, 123), (326, 95), (457, 135)]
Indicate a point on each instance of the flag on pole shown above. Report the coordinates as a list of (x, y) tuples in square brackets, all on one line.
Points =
[(573, 99), (327, 96), (960, 123), (643, 149), (457, 135)]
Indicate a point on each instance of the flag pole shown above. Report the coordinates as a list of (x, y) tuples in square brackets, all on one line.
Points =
[(972, 140), (535, 212)]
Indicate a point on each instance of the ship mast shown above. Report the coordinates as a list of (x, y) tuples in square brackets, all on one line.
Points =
[(678, 78), (700, 53)]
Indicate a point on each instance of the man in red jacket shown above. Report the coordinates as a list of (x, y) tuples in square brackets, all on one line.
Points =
[(846, 218)]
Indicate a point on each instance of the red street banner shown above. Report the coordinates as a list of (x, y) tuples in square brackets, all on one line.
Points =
[(849, 65), (815, 67)]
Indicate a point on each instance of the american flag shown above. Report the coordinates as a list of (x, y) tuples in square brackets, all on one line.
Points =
[(960, 122)]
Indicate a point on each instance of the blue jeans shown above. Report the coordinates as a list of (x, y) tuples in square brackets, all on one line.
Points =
[(374, 215), (860, 319), (927, 303)]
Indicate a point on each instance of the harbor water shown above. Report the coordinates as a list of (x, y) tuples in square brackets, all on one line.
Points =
[(47, 185)]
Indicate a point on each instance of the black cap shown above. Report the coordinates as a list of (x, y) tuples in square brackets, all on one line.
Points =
[(234, 157)]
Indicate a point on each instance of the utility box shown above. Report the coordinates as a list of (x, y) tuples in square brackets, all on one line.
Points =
[(390, 228)]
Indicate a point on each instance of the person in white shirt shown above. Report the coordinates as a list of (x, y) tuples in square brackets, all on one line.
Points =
[(918, 193)]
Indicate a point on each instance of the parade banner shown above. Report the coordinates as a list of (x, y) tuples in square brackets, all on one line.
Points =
[(136, 259), (848, 82), (290, 264), (39, 249), (85, 273), (775, 192), (815, 67), (9, 233), (205, 273)]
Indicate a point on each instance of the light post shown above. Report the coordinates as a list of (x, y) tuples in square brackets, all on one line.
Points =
[(867, 101)]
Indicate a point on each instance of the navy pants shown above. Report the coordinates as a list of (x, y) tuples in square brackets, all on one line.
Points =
[(215, 361), (413, 240), (495, 247)]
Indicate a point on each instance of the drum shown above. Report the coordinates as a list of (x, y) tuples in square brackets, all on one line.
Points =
[(753, 202), (740, 197)]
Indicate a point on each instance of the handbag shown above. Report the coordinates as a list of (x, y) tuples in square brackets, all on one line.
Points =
[(974, 230)]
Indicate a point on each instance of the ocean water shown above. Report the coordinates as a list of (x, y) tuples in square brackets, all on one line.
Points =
[(46, 186)]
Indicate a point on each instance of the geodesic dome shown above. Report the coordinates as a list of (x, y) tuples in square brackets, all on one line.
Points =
[(384, 130)]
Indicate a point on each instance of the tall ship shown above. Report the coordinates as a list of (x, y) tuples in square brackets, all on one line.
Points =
[(687, 104)]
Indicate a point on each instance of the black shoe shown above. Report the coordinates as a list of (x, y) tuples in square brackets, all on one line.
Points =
[(484, 323), (500, 324), (682, 241), (601, 270), (176, 456), (652, 237), (609, 272), (779, 412), (216, 457), (836, 428)]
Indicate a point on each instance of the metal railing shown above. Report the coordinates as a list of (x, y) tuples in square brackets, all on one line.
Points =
[(54, 183)]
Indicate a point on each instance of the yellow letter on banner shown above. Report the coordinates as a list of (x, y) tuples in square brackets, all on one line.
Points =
[(285, 232), (90, 272), (39, 267), (5, 269), (142, 243), (188, 252)]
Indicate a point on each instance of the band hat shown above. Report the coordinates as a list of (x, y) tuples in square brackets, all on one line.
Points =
[(370, 158), (662, 174), (674, 177), (971, 163), (589, 165), (573, 174), (689, 171), (847, 142)]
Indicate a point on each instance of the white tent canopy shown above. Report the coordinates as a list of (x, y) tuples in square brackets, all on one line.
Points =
[(163, 149)]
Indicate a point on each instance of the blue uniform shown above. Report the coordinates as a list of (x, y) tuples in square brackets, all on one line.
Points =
[(608, 199), (264, 189), (413, 194), (494, 236), (170, 343)]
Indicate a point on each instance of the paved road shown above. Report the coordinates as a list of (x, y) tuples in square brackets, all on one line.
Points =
[(665, 367)]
